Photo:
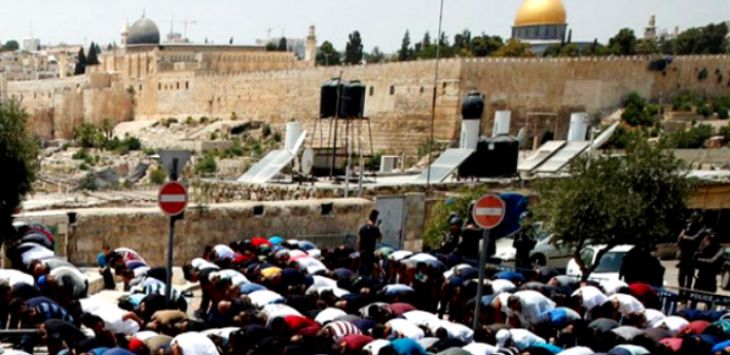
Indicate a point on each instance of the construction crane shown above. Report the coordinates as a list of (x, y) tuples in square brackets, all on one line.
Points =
[(185, 22)]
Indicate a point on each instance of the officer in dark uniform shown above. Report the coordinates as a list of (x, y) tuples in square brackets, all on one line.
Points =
[(453, 236), (525, 241), (688, 243)]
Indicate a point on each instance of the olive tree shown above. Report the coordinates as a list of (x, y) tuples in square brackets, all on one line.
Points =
[(636, 198), (18, 159)]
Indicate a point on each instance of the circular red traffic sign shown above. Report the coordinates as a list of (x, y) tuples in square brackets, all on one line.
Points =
[(489, 211), (173, 198)]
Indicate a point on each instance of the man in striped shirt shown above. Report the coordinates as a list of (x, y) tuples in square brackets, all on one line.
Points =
[(152, 286), (338, 329), (37, 310)]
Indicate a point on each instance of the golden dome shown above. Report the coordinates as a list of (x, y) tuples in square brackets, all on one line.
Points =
[(541, 12)]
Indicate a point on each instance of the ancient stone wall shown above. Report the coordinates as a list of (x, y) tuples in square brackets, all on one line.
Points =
[(542, 93), (145, 229)]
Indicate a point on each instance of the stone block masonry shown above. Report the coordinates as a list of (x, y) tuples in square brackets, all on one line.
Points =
[(145, 229), (398, 97)]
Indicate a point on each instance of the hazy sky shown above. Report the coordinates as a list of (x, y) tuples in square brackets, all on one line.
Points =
[(381, 22)]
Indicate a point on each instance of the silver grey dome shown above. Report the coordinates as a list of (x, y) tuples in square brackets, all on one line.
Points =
[(143, 31)]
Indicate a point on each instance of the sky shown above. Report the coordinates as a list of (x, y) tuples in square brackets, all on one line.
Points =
[(381, 23)]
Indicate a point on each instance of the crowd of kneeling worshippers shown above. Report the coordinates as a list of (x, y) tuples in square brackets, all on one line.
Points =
[(273, 296)]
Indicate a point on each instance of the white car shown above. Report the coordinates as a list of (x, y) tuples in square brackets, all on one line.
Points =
[(545, 253), (609, 266)]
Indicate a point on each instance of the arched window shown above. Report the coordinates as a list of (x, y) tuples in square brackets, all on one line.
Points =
[(392, 90), (372, 90)]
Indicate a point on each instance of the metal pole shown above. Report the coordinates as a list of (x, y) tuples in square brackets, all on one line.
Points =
[(337, 115), (170, 239), (433, 101), (480, 286)]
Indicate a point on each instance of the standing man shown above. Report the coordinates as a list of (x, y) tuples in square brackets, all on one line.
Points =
[(688, 243), (452, 236), (709, 261), (369, 236), (525, 241)]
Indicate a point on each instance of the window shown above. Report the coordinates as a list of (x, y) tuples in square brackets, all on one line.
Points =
[(392, 90), (140, 87), (187, 85), (422, 90), (587, 256), (177, 85), (258, 210), (372, 90), (327, 209), (159, 86)]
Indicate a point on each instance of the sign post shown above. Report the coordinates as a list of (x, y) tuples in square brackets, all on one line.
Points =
[(172, 199), (488, 213)]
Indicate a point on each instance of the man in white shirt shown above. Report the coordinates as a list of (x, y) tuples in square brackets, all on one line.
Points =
[(530, 307)]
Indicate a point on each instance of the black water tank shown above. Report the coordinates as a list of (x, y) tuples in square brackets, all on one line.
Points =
[(328, 98), (472, 106), (352, 104), (494, 157)]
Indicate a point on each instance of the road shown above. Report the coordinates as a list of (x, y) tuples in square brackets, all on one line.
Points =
[(671, 275)]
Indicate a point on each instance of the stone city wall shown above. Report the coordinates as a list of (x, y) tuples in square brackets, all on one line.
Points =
[(145, 229), (399, 95)]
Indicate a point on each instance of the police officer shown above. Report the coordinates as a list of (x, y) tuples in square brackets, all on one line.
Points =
[(688, 243), (525, 241), (709, 260), (453, 236)]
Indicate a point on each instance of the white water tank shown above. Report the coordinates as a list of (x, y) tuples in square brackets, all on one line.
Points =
[(388, 163), (578, 127), (501, 123), (469, 134), (293, 131)]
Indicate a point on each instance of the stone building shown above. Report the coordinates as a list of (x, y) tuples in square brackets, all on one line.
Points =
[(142, 54), (541, 23)]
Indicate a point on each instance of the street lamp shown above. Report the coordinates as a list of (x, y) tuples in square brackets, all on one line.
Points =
[(433, 101)]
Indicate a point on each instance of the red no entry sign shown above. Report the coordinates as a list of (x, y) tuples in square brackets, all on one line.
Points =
[(173, 198), (489, 211)]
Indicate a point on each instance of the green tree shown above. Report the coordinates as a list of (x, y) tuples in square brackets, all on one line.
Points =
[(93, 56), (636, 199), (647, 46), (18, 157), (271, 47), (463, 42), (353, 49), (637, 112), (514, 48), (80, 63), (328, 55), (405, 52), (623, 43), (375, 56), (11, 46), (485, 45), (282, 45)]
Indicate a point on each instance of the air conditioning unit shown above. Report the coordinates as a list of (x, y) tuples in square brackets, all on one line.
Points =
[(388, 163)]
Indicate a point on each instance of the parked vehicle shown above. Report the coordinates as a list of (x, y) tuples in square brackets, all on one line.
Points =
[(608, 268), (545, 253), (725, 276)]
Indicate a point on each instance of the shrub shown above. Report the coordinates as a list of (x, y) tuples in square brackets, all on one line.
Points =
[(234, 116), (190, 121), (277, 136), (158, 176), (89, 136), (373, 163), (235, 150), (83, 166), (704, 110), (690, 139), (149, 151), (81, 154), (204, 120), (89, 183), (206, 165), (266, 130)]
